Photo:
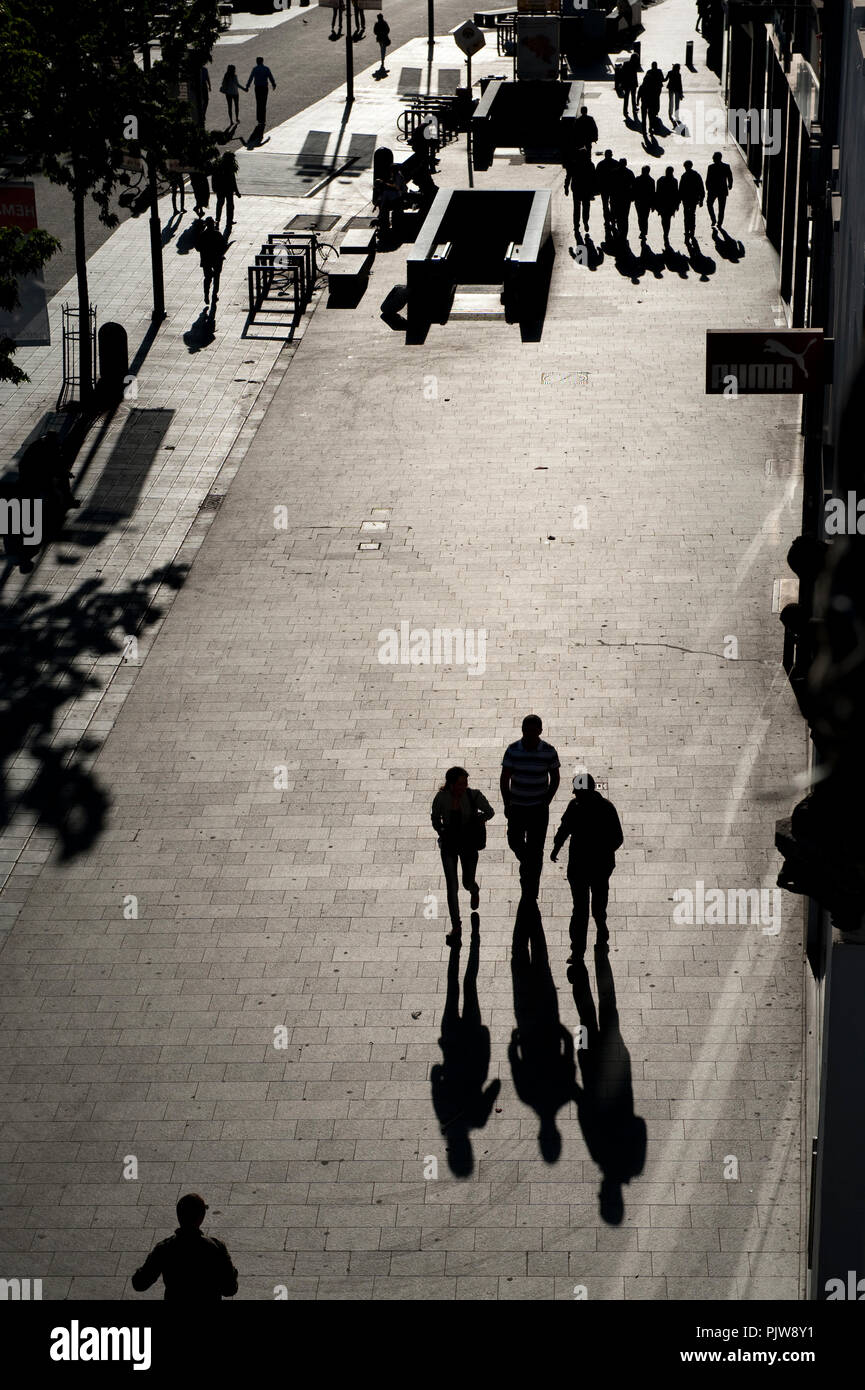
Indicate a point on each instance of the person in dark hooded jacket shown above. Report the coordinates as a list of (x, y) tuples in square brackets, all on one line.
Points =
[(592, 825)]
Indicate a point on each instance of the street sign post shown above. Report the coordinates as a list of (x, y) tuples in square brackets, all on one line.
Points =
[(766, 362), (469, 39)]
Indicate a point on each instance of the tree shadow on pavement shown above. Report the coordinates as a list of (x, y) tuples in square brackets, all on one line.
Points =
[(460, 1101), (614, 1135), (47, 650), (541, 1051)]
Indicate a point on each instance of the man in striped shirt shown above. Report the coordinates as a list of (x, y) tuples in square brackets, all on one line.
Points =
[(529, 781)]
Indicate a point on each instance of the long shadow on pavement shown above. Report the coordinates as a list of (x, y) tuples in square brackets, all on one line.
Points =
[(541, 1051), (461, 1103), (614, 1135), (118, 491)]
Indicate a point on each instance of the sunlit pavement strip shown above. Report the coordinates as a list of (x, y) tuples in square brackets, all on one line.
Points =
[(260, 907)]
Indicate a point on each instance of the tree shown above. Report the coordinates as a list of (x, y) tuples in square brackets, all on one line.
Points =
[(21, 253), (73, 97)]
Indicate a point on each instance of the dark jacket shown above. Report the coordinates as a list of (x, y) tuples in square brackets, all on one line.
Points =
[(210, 248), (223, 182), (719, 178), (580, 175), (606, 175), (593, 825), (623, 185), (644, 191), (649, 94), (691, 190), (629, 74), (585, 131), (456, 829), (674, 83), (195, 1268), (667, 194)]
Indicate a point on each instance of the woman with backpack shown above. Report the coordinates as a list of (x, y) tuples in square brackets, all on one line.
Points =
[(459, 817)]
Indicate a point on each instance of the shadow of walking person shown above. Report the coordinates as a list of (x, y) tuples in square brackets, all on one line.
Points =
[(726, 246), (459, 1099), (541, 1051), (703, 265), (614, 1135)]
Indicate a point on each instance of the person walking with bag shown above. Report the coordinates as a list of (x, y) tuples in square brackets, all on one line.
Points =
[(459, 817), (230, 89), (381, 34)]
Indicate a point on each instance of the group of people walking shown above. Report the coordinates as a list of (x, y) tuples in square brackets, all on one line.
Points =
[(620, 189), (642, 99), (529, 781)]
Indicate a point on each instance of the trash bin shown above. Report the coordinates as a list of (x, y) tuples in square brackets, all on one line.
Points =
[(113, 360)]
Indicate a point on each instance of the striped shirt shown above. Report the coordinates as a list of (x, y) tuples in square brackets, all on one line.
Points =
[(530, 769)]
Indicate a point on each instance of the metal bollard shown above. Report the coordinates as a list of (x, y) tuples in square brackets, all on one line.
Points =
[(689, 54)]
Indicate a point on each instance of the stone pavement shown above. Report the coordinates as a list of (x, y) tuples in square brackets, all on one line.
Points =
[(240, 984)]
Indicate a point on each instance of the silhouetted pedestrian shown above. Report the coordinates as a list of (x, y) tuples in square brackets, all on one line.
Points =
[(211, 251), (224, 180), (459, 817), (719, 181), (178, 190), (691, 192), (605, 182), (595, 833), (650, 98), (230, 88), (528, 783), (580, 179), (667, 200), (359, 21), (195, 1268), (204, 90), (260, 77), (200, 191), (336, 10), (622, 196), (585, 130), (381, 34), (674, 92), (644, 199), (629, 79)]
